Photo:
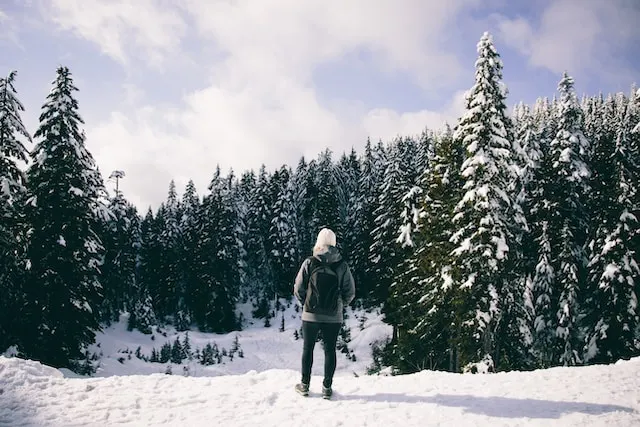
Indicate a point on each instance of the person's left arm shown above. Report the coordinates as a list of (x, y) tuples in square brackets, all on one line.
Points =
[(300, 284)]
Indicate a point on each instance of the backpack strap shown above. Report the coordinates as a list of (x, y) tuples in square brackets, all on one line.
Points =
[(315, 262)]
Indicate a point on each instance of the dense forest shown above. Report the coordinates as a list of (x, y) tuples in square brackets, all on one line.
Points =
[(508, 239)]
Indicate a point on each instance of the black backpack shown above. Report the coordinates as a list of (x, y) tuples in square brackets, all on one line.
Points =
[(323, 289)]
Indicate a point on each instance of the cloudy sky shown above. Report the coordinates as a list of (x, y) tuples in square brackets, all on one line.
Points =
[(170, 88)]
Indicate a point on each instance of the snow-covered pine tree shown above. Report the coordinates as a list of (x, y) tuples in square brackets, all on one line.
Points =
[(631, 125), (426, 153), (243, 195), (385, 253), (330, 198), (282, 233), (350, 173), (258, 245), (63, 290), (569, 220), (121, 241), (489, 219), (217, 258), (12, 189), (12, 150), (171, 277), (611, 303), (301, 202), (537, 246), (143, 313), (528, 139), (188, 247), (424, 299), (373, 166)]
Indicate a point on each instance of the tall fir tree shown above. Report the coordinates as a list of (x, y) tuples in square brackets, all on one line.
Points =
[(63, 290), (373, 164), (282, 233), (12, 190), (171, 278), (330, 198), (244, 193), (538, 250), (350, 173), (385, 253), (143, 312), (424, 297), (611, 308), (488, 217), (303, 193), (569, 220), (258, 245), (217, 254), (121, 240), (188, 246)]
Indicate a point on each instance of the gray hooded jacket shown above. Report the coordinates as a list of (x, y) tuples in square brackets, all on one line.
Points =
[(347, 285)]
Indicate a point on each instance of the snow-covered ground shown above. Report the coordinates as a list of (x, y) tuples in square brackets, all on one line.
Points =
[(257, 389), (35, 395)]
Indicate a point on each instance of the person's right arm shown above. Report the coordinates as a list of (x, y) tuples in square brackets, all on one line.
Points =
[(348, 287)]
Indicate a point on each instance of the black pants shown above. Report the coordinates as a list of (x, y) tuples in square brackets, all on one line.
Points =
[(330, 333)]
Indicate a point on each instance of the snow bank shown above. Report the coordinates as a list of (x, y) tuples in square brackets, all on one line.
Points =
[(35, 395)]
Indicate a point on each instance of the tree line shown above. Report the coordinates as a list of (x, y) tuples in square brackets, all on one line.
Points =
[(507, 238)]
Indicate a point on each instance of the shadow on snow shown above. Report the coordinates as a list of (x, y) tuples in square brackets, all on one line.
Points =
[(494, 406)]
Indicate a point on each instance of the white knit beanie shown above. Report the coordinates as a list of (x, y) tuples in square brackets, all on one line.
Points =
[(325, 239)]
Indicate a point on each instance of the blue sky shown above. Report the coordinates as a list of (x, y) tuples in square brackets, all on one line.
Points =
[(170, 89)]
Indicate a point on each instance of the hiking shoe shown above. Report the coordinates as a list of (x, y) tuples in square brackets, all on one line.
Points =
[(302, 389), (326, 392)]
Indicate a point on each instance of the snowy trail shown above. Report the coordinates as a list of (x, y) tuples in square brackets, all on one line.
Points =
[(35, 395)]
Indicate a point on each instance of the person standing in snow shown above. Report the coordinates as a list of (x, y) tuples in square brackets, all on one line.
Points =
[(323, 286)]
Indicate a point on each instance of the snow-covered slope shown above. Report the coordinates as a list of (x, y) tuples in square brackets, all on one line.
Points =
[(35, 395), (262, 348)]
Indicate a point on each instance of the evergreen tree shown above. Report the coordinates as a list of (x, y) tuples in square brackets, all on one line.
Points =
[(568, 220), (63, 290), (170, 282), (186, 347), (244, 192), (142, 315), (258, 246), (151, 265), (538, 249), (488, 218), (189, 226), (424, 296), (611, 299), (12, 189), (177, 352), (121, 240), (282, 233), (373, 165), (217, 260), (385, 253), (301, 201), (329, 201), (350, 175)]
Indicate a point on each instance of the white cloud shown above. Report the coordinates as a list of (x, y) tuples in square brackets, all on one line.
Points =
[(7, 28), (233, 130), (386, 124), (575, 35), (121, 26), (259, 104)]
